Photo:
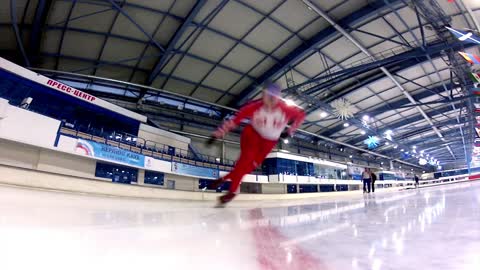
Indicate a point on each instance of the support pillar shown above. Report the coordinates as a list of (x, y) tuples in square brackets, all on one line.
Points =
[(141, 177), (223, 151)]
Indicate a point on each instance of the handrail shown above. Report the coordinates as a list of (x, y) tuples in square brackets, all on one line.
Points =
[(159, 150)]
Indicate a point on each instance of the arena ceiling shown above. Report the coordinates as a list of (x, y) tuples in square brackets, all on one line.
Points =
[(391, 59)]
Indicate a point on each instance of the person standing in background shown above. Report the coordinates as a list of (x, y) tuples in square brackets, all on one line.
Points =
[(416, 180), (374, 178), (366, 177)]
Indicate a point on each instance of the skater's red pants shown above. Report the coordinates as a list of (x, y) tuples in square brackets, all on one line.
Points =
[(253, 150)]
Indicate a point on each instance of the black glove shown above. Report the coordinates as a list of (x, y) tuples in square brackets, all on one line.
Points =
[(211, 141), (284, 134)]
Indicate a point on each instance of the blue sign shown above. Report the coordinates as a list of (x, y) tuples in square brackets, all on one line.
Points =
[(356, 177), (194, 170), (108, 152)]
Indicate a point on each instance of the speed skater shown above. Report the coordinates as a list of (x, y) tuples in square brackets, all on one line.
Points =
[(269, 116)]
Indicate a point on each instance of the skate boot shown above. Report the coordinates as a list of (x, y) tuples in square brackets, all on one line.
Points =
[(223, 200), (217, 183)]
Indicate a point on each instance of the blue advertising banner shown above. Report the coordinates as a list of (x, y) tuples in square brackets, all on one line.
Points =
[(108, 152), (194, 170), (355, 172)]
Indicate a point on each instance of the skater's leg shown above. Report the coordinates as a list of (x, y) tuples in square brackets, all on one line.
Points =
[(364, 185), (217, 183), (266, 147), (373, 186), (254, 149), (249, 146), (368, 185)]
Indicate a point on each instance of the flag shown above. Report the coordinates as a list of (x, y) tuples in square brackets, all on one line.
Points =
[(467, 37), (471, 58), (476, 79)]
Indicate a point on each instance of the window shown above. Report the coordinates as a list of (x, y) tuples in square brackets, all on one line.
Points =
[(387, 176), (269, 166), (326, 172), (273, 166), (203, 183), (327, 188), (287, 166), (308, 188), (118, 173), (291, 188), (342, 187), (154, 178)]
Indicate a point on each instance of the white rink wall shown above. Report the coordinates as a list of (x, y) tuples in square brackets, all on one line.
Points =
[(31, 166), (24, 126), (52, 181)]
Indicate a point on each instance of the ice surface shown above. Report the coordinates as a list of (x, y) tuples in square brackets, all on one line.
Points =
[(431, 228)]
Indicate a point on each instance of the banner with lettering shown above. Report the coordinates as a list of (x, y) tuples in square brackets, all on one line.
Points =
[(24, 73), (188, 169), (108, 152)]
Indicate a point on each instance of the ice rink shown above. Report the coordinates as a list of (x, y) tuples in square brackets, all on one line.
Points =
[(430, 228)]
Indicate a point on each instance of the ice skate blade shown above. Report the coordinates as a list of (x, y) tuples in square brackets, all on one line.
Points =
[(220, 205)]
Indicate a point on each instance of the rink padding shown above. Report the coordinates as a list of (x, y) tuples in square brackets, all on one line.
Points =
[(441, 184), (45, 180)]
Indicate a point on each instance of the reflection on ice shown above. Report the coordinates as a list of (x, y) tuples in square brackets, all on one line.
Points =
[(404, 230)]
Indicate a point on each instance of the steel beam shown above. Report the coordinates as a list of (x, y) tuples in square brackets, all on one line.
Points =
[(205, 21), (434, 50), (124, 13), (370, 10), (384, 70), (173, 41), (233, 47), (13, 18), (407, 121), (38, 24)]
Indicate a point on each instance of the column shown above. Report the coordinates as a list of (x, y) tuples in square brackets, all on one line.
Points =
[(141, 177)]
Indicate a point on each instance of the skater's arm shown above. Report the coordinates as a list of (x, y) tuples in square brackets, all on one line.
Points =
[(245, 112), (297, 115)]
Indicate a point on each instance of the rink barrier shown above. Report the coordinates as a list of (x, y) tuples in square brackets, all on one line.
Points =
[(52, 181), (447, 180), (62, 161), (44, 161), (32, 178)]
